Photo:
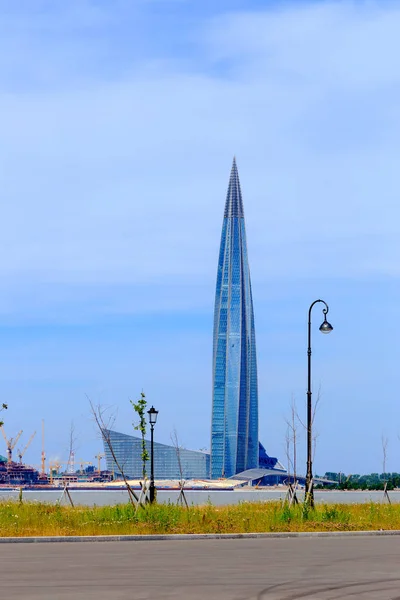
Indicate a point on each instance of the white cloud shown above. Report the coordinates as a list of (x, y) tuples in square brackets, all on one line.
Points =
[(121, 180)]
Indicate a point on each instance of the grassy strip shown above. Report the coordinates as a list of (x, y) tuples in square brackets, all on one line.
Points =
[(37, 519)]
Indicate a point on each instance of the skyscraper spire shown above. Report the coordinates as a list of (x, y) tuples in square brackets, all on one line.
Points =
[(234, 430), (234, 203)]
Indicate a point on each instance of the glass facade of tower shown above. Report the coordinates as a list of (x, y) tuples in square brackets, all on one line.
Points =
[(234, 429), (168, 464)]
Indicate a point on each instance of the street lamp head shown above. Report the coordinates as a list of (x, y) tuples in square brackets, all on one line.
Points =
[(325, 327), (152, 415)]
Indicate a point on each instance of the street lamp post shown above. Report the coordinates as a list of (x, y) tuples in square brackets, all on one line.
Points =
[(325, 327), (152, 420)]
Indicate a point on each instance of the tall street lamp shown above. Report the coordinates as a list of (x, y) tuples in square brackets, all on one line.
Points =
[(152, 420), (324, 328)]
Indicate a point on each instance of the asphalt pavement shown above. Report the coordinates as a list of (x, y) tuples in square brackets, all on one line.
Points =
[(351, 568)]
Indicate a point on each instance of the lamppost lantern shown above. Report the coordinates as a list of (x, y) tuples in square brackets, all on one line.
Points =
[(152, 416), (326, 327)]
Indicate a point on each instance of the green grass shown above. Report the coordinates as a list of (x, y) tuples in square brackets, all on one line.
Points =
[(38, 519)]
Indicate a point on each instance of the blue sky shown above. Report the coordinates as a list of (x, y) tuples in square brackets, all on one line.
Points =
[(119, 121)]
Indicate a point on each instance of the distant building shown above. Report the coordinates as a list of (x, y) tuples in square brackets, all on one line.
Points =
[(234, 428), (195, 464), (235, 445), (128, 449)]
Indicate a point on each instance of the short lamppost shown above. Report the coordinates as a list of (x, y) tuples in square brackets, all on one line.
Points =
[(152, 420), (324, 328)]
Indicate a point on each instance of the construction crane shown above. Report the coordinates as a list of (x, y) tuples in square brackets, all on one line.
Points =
[(11, 443), (84, 462), (43, 452), (54, 469), (20, 454), (99, 457)]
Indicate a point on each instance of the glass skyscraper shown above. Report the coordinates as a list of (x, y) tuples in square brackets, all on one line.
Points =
[(234, 428)]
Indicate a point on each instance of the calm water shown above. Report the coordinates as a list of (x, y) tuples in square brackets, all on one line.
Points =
[(216, 497)]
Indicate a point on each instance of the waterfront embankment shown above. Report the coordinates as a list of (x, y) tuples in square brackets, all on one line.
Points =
[(198, 497)]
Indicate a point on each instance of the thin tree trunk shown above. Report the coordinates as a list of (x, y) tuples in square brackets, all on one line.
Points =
[(103, 427)]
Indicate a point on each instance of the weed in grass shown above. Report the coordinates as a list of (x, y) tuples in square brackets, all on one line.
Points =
[(286, 514), (330, 513), (306, 509)]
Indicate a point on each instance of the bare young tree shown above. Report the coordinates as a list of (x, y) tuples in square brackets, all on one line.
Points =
[(385, 443), (291, 438), (176, 445), (287, 451), (104, 424), (315, 434), (291, 451)]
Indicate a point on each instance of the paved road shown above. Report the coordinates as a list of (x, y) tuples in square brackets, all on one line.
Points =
[(364, 568)]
